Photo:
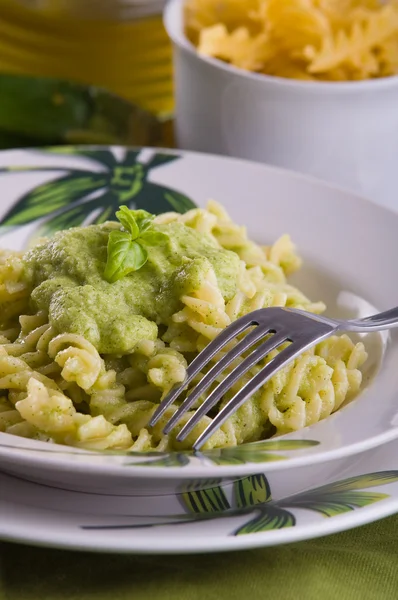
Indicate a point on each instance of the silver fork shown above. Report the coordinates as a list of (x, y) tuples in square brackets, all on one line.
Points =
[(281, 325)]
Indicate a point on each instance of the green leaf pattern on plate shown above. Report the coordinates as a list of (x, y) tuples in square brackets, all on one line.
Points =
[(252, 490), (343, 496), (251, 497), (80, 195), (173, 459), (256, 452), (207, 501), (268, 519), (53, 196)]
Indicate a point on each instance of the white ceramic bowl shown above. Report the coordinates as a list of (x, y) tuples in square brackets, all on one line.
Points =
[(346, 133), (348, 245)]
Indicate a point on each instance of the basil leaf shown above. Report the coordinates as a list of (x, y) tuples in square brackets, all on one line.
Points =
[(140, 255), (153, 238), (127, 219), (143, 219), (124, 256)]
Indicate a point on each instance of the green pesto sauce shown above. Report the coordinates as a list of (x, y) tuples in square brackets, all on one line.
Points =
[(66, 276)]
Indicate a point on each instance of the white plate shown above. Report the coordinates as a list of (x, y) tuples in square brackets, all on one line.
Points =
[(353, 492), (349, 245)]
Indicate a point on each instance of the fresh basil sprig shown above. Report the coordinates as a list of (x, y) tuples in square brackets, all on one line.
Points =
[(126, 248)]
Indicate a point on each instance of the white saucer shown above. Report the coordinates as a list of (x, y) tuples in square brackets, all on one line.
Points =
[(365, 490)]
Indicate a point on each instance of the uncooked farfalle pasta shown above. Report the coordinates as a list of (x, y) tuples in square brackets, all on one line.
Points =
[(332, 40), (98, 323)]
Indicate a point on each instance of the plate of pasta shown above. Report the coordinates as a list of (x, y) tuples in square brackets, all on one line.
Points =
[(117, 266)]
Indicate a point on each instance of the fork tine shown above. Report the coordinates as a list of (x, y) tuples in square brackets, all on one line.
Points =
[(284, 358), (202, 360), (276, 340), (217, 369)]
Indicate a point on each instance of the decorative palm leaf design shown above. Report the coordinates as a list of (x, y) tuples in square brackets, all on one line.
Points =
[(254, 493), (252, 496), (256, 452), (268, 519), (172, 459), (209, 501), (81, 195), (329, 500), (343, 496), (251, 491)]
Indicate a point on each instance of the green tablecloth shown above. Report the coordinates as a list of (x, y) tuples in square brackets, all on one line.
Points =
[(356, 565)]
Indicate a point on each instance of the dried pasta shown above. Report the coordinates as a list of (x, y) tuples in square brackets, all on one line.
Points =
[(331, 40), (58, 387)]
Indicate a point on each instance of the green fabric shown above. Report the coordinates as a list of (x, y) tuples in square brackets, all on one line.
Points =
[(359, 564)]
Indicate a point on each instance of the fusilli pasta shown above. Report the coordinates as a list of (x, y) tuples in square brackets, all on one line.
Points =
[(56, 386), (333, 40)]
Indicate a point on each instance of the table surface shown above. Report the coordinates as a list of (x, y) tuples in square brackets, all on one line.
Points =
[(355, 565)]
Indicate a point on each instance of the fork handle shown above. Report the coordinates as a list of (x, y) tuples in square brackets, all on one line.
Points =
[(384, 320)]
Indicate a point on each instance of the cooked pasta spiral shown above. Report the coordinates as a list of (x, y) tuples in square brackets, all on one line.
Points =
[(355, 46), (57, 386), (13, 291), (332, 40), (54, 413), (315, 385), (295, 23), (239, 47)]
